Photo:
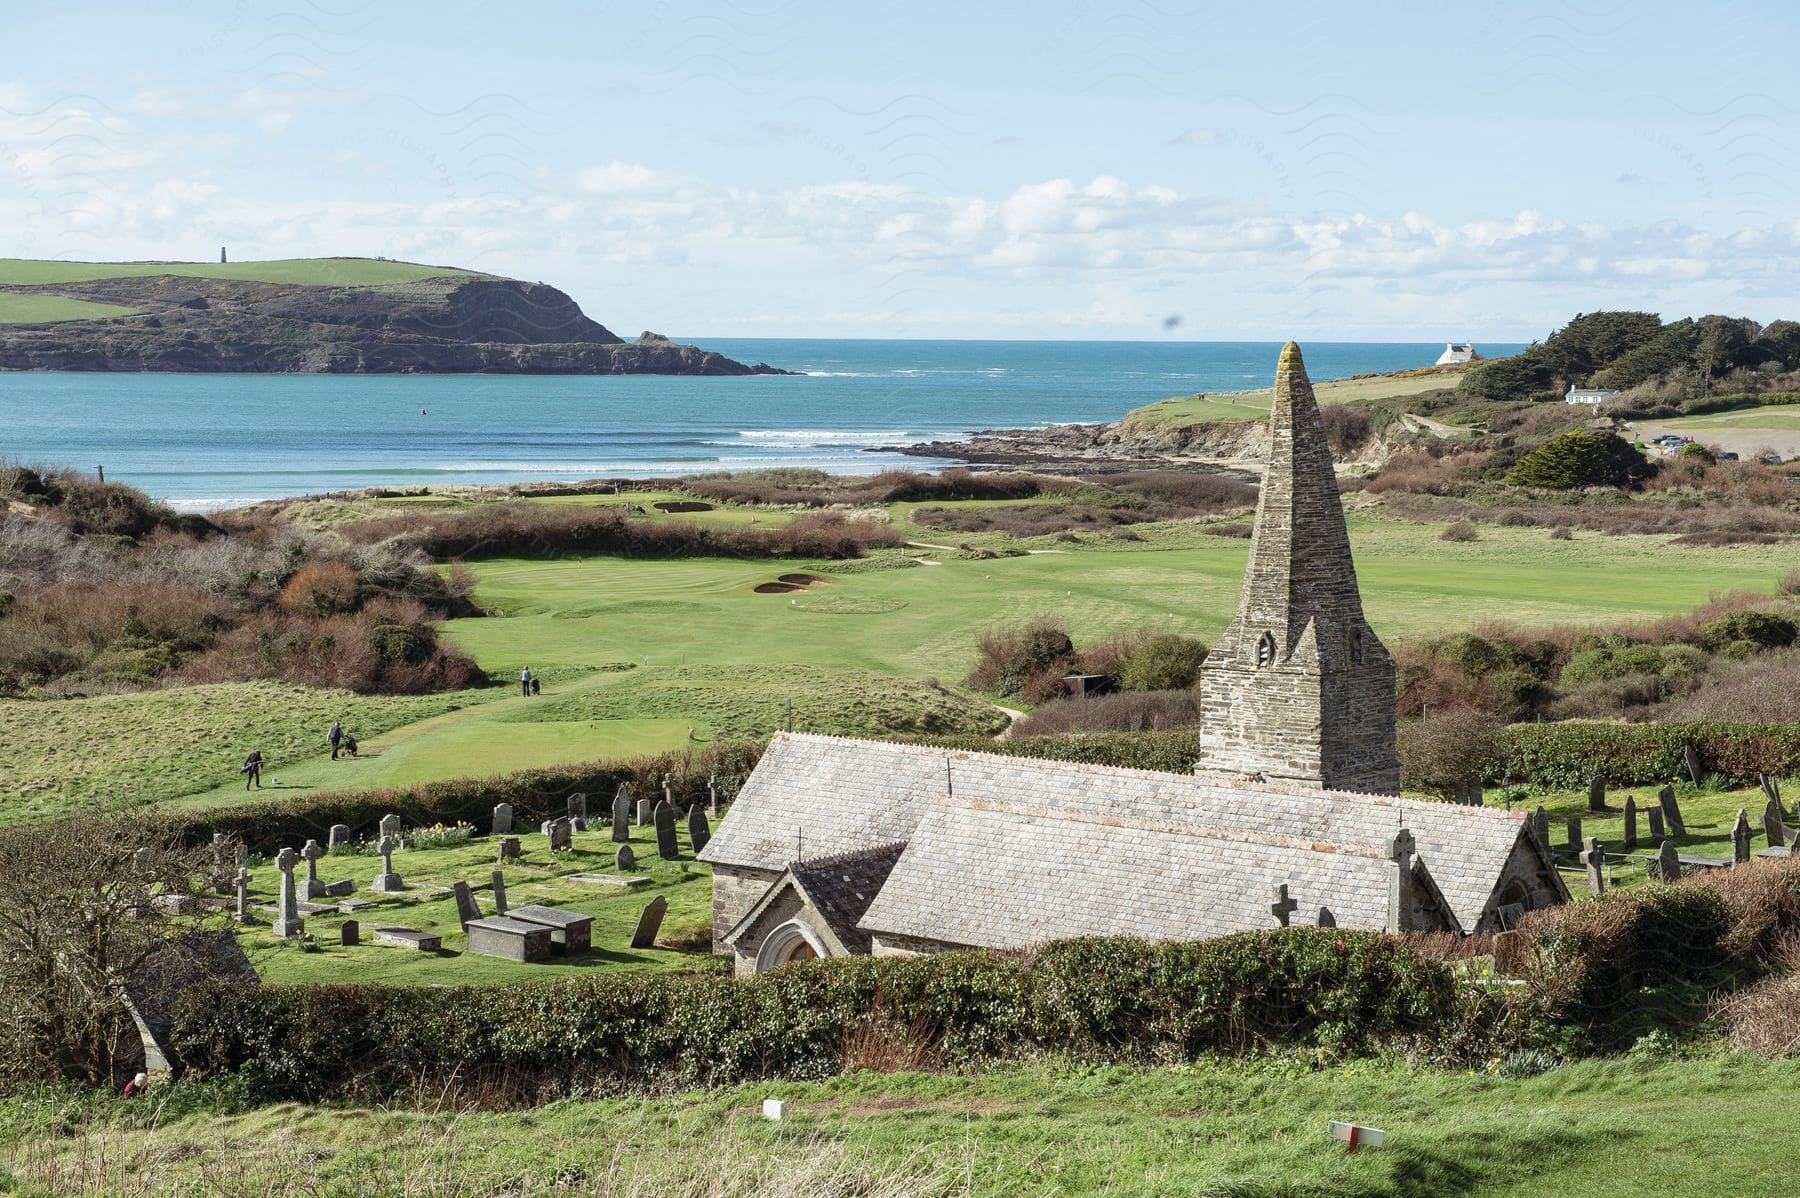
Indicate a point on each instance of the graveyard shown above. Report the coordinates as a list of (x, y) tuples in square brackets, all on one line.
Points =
[(417, 924)]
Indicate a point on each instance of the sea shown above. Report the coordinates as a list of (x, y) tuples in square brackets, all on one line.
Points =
[(207, 441)]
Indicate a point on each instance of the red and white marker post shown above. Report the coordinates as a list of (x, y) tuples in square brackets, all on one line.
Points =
[(1356, 1135)]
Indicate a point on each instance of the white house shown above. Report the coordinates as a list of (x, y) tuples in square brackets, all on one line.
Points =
[(1589, 395), (1457, 353)]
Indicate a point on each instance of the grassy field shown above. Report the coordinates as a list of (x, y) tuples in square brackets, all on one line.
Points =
[(854, 653), (1617, 1128), (63, 754), (16, 308), (1744, 432), (332, 272), (1182, 410), (538, 878)]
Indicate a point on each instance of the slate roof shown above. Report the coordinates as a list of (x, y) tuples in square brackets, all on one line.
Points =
[(816, 796), (851, 794), (838, 888), (1011, 874)]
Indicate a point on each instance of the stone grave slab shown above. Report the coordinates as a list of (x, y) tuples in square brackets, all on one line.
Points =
[(571, 932), (608, 880), (509, 939), (424, 942)]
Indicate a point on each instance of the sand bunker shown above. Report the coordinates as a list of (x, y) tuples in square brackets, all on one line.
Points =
[(805, 580), (775, 588), (682, 505)]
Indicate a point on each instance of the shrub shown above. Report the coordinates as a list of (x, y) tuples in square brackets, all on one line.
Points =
[(398, 644), (1125, 711), (1347, 429), (1027, 661), (1563, 756), (1599, 664), (321, 589), (1462, 530), (1449, 748), (1161, 661), (1761, 629)]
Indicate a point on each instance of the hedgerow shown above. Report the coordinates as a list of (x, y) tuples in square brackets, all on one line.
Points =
[(1564, 756), (1093, 999)]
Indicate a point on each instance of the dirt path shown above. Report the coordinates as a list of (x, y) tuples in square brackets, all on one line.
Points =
[(1013, 716)]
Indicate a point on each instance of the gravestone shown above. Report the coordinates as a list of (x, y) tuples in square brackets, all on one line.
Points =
[(656, 812), (643, 812), (387, 881), (668, 791), (218, 879), (312, 888), (1671, 811), (340, 889), (1326, 918), (143, 861), (1690, 756), (389, 825), (624, 859), (1280, 905), (1574, 827), (666, 845), (1630, 823), (1655, 816), (1740, 838), (467, 910), (649, 922), (1594, 858), (1770, 787), (1774, 824), (350, 933), (241, 853), (1597, 793), (1540, 826), (509, 850), (578, 807), (499, 893), (621, 817), (1667, 863), (338, 837), (503, 819), (698, 831), (242, 914), (288, 923), (562, 835)]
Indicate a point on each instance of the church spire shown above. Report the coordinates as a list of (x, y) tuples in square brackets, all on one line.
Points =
[(1299, 687)]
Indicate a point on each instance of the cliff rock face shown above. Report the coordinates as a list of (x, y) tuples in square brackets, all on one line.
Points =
[(437, 326)]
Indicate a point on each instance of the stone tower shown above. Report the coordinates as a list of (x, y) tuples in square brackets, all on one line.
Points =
[(1299, 688)]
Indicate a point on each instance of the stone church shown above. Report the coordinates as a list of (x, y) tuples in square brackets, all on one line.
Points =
[(1292, 816)]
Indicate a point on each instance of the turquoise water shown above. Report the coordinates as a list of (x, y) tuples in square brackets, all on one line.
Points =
[(210, 440)]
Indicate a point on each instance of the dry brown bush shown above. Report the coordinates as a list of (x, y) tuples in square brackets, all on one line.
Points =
[(1448, 748), (1760, 688), (1124, 711)]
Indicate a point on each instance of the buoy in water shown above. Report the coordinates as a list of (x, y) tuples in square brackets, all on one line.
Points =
[(421, 411)]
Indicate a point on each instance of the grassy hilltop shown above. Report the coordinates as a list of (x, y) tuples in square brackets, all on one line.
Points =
[(333, 315)]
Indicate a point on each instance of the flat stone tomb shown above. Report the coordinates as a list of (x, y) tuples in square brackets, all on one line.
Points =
[(608, 879), (424, 942), (509, 939), (571, 932)]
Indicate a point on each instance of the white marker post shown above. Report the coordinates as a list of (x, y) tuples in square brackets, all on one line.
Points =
[(1356, 1135), (774, 1108)]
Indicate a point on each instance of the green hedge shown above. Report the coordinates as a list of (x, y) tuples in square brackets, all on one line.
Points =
[(536, 795), (1564, 756), (1094, 999), (1171, 752)]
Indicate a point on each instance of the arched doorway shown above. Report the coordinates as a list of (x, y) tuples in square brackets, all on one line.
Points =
[(792, 941)]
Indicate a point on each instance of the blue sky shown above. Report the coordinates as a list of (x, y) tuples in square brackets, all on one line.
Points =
[(1065, 168)]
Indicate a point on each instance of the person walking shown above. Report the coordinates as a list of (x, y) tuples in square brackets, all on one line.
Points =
[(525, 682), (335, 736), (252, 769)]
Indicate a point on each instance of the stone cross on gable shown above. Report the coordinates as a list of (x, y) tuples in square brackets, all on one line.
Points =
[(1280, 905), (1400, 853)]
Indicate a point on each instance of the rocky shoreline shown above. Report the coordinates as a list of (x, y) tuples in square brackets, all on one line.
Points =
[(1100, 448)]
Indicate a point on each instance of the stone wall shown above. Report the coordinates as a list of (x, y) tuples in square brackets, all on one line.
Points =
[(735, 889), (784, 908), (882, 944)]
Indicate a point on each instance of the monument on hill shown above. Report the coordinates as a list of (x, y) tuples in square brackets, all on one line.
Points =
[(1299, 688)]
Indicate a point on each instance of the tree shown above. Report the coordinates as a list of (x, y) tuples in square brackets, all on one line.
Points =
[(1596, 339), (78, 926), (1780, 342), (1579, 458), (1723, 345)]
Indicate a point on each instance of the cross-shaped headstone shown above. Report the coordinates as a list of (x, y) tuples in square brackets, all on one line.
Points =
[(243, 896), (712, 795), (1593, 856), (1280, 905), (312, 851), (387, 881), (287, 918)]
